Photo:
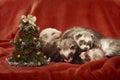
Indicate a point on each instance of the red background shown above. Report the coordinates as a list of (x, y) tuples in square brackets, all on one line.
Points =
[(101, 15)]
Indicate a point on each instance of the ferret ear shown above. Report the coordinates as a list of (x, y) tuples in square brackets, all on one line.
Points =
[(58, 47), (59, 32), (92, 35), (76, 37), (72, 46)]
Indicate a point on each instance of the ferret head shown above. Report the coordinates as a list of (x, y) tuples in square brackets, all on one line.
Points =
[(50, 34), (84, 56), (84, 40), (92, 55), (67, 49)]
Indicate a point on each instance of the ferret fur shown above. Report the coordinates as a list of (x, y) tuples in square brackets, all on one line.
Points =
[(50, 37), (92, 55), (50, 50), (67, 49), (111, 47), (71, 38), (49, 34), (87, 35)]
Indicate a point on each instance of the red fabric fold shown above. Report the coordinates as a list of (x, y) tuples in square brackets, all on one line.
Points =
[(100, 15)]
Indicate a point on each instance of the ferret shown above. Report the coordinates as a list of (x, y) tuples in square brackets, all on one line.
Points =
[(50, 37), (51, 51), (68, 50), (111, 47), (49, 34), (85, 38), (71, 31), (92, 55)]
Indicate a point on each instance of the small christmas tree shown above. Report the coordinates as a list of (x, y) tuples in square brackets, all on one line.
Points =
[(28, 45)]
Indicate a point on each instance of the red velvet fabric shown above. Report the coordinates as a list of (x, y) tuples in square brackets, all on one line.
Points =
[(101, 15)]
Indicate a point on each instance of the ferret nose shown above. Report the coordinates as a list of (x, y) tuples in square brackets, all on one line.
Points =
[(64, 57), (68, 60)]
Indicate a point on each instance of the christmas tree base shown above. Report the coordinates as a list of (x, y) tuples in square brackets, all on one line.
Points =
[(34, 64)]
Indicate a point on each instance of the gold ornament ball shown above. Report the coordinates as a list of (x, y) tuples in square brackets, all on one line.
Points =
[(38, 53), (18, 56), (45, 57), (34, 38), (20, 39)]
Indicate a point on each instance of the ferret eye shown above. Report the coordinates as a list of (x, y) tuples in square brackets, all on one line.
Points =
[(72, 47), (89, 43), (53, 33), (59, 48), (82, 42), (87, 57)]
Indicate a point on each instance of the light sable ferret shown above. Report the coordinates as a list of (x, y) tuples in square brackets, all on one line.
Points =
[(49, 34), (51, 51), (67, 49), (50, 37), (70, 32), (108, 48), (111, 47), (85, 38), (92, 55)]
